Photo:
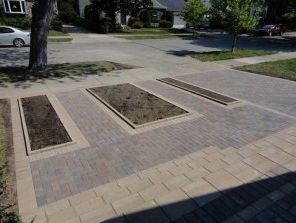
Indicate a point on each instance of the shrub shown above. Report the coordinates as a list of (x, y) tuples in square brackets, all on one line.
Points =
[(132, 20), (56, 25), (165, 24), (9, 218), (18, 22), (101, 26), (137, 25), (169, 17), (67, 12), (288, 18)]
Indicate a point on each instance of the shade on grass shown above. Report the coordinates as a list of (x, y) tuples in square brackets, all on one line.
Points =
[(226, 55), (20, 73), (285, 69)]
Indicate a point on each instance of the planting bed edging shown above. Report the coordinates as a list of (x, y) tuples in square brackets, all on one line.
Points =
[(203, 92), (179, 114)]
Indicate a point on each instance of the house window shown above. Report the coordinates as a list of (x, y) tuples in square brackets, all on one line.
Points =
[(14, 6)]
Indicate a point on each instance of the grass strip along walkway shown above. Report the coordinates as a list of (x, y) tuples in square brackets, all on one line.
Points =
[(285, 69)]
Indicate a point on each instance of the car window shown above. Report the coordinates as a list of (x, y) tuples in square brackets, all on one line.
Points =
[(5, 30), (268, 27)]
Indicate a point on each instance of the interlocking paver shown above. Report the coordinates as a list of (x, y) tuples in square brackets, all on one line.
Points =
[(153, 192), (114, 153), (176, 204)]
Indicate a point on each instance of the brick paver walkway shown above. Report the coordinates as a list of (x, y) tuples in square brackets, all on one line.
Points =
[(114, 153), (223, 165)]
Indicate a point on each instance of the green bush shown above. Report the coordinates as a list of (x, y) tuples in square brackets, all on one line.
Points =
[(101, 26), (18, 22), (56, 25), (169, 17), (67, 12), (165, 24), (288, 19), (137, 25), (132, 20), (10, 218)]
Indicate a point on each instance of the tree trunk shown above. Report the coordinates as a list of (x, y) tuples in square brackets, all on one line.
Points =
[(234, 43), (43, 12)]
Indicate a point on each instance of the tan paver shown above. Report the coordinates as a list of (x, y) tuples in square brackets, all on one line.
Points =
[(82, 197), (215, 165), (176, 182), (179, 170), (243, 172), (153, 192), (201, 191), (222, 180), (129, 204), (260, 163), (176, 204), (160, 177), (103, 213), (90, 205), (198, 173), (115, 195)]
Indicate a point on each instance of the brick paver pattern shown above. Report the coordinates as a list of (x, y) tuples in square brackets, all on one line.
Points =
[(114, 153)]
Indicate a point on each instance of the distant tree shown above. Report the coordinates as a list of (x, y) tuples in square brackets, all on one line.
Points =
[(43, 11), (236, 15), (194, 11)]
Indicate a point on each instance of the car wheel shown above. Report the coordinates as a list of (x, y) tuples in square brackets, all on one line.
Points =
[(18, 42)]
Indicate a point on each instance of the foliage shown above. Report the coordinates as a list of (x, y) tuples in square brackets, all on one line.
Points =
[(56, 25), (18, 22), (236, 15), (288, 19), (67, 10), (194, 11), (169, 17), (165, 24), (146, 18), (10, 218), (277, 8), (137, 25)]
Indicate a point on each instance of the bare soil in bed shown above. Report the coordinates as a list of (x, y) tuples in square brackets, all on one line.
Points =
[(137, 105), (200, 91), (8, 199), (43, 124)]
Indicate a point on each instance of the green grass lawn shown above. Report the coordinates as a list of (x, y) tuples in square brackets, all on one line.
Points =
[(57, 33), (226, 55), (285, 69), (154, 31), (13, 74)]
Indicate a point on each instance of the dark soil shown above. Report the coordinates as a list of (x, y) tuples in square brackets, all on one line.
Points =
[(44, 126), (137, 105), (8, 201), (200, 91)]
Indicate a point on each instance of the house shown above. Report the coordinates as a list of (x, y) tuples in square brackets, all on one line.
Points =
[(162, 6), (16, 7)]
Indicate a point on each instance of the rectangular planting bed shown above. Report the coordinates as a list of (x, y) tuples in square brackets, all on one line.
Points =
[(222, 99), (136, 106), (43, 125)]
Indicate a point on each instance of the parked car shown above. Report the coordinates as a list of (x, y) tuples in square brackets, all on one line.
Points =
[(269, 30), (12, 36)]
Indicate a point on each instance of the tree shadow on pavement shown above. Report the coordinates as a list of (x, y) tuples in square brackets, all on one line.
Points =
[(266, 200)]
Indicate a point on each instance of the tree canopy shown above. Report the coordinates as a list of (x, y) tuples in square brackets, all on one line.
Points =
[(194, 11), (236, 15)]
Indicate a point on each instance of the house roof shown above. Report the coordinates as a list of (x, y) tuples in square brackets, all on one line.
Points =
[(172, 5)]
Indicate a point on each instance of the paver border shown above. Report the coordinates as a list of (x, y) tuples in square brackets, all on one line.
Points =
[(78, 140), (130, 127), (231, 105)]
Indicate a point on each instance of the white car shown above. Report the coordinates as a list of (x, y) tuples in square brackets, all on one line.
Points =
[(12, 36)]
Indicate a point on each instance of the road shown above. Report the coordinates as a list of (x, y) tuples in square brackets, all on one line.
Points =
[(166, 55)]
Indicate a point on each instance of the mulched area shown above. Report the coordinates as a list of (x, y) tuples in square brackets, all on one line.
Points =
[(137, 105), (43, 124), (199, 91), (8, 201)]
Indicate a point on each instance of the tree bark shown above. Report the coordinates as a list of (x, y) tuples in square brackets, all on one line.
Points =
[(43, 12), (234, 43)]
